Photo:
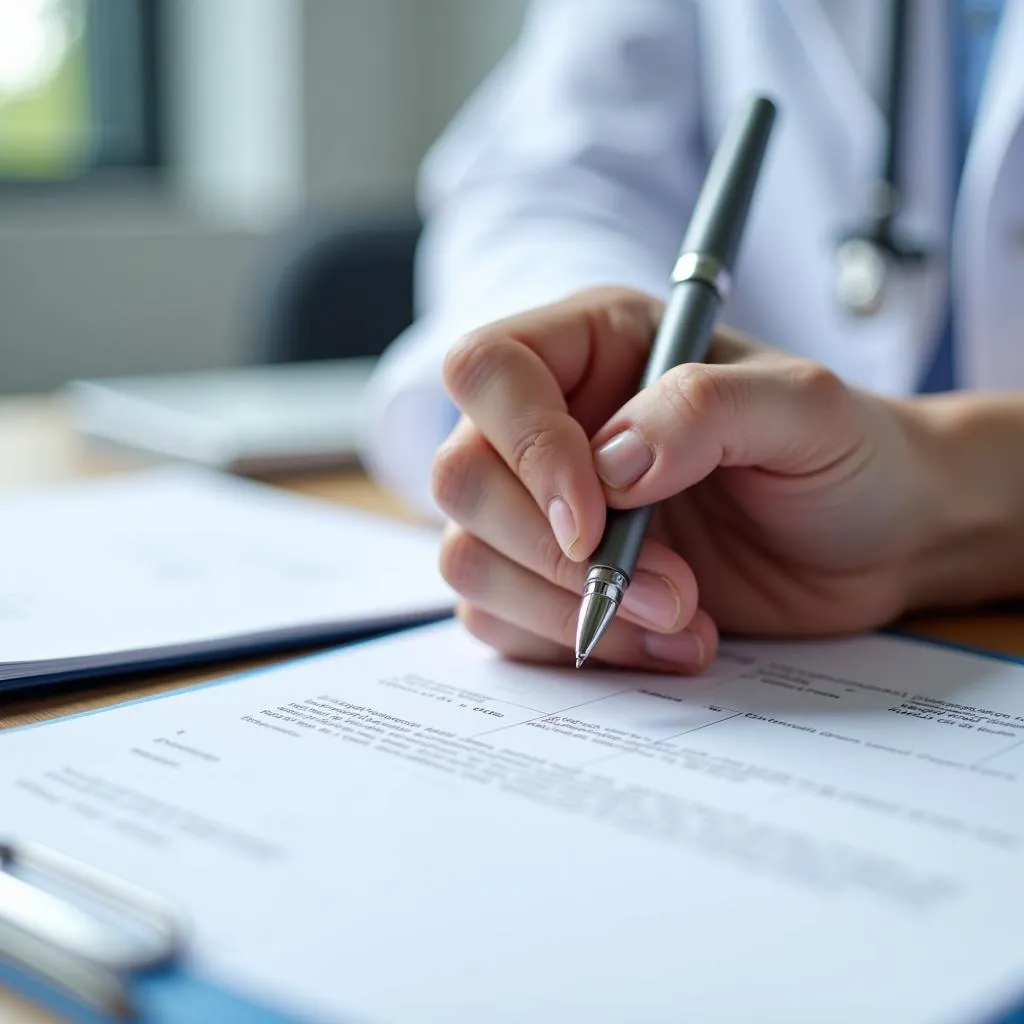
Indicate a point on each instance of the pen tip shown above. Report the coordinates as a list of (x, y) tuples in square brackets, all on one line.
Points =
[(580, 658)]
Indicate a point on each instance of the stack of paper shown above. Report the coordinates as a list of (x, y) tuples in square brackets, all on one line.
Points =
[(177, 564), (411, 830)]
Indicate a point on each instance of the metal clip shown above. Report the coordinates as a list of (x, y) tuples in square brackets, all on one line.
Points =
[(61, 944), (699, 266)]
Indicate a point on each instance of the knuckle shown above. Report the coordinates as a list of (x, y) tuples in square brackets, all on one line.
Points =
[(463, 562), (534, 446), (456, 476), (697, 391), (820, 384), (469, 362)]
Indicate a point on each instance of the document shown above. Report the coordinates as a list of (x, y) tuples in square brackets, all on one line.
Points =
[(178, 563), (414, 830)]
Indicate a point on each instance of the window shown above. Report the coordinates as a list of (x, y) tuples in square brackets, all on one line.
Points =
[(79, 89)]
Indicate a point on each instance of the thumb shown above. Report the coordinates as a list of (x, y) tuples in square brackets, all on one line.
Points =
[(782, 414)]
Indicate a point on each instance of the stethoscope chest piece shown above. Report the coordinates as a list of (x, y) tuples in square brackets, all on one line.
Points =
[(861, 269), (866, 257)]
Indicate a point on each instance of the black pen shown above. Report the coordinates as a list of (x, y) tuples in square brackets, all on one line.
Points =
[(700, 282)]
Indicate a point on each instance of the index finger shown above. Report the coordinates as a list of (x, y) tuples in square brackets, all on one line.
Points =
[(535, 385)]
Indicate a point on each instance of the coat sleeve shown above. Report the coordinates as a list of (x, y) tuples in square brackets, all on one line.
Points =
[(575, 164)]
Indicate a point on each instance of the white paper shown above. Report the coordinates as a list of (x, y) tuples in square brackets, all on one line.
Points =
[(413, 830), (181, 560)]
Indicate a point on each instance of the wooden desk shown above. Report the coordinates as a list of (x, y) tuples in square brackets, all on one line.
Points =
[(37, 448)]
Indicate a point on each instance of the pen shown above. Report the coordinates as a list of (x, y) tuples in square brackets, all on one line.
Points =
[(700, 281)]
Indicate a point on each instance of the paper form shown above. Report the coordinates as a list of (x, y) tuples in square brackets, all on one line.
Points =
[(179, 561), (415, 830)]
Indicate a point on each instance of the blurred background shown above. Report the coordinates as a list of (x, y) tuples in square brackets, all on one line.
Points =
[(166, 164)]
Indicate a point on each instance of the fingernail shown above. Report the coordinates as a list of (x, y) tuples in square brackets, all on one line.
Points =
[(563, 524), (677, 648), (623, 459), (652, 598)]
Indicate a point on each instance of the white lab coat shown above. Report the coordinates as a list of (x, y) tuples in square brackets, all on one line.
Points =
[(578, 160)]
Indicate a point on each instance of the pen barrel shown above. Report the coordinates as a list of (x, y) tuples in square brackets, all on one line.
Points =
[(684, 334), (690, 320), (720, 213), (700, 282), (623, 537)]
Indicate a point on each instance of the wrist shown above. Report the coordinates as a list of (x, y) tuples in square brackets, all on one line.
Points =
[(968, 546)]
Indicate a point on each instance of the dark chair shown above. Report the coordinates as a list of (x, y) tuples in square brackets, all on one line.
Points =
[(337, 289)]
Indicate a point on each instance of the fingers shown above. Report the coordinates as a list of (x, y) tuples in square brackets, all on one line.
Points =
[(511, 641), (523, 615), (521, 645), (474, 487), (775, 412), (536, 385)]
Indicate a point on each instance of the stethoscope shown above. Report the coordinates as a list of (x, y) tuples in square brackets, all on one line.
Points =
[(865, 256)]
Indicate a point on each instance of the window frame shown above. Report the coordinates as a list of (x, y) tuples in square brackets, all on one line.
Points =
[(106, 20)]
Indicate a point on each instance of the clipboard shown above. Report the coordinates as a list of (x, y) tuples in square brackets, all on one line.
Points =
[(64, 959), (73, 962)]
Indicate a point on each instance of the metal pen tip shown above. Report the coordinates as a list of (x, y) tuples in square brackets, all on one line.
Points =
[(600, 602)]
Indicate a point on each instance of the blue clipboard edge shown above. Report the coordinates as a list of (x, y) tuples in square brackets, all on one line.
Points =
[(168, 997), (952, 645)]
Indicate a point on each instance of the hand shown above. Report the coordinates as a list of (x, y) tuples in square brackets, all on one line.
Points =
[(789, 503)]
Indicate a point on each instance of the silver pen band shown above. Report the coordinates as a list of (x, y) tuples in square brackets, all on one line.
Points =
[(607, 582), (698, 266)]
